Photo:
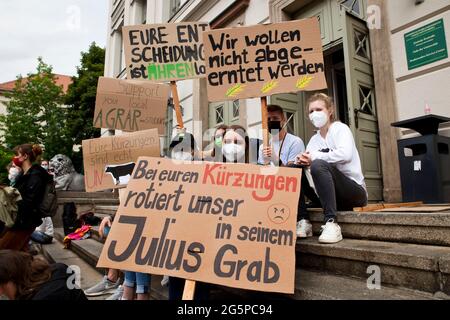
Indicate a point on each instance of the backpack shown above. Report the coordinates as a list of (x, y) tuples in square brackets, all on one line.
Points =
[(49, 204), (70, 218)]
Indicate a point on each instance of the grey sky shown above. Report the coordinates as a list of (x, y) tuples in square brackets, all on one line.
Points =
[(57, 30)]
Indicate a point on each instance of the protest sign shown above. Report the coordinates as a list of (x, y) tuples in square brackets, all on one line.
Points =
[(227, 224), (109, 161), (165, 52), (130, 105), (261, 60)]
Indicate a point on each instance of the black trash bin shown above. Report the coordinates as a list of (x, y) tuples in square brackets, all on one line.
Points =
[(425, 161)]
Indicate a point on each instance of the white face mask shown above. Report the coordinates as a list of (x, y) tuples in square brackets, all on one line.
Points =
[(14, 173), (233, 151), (181, 156), (318, 119), (45, 166)]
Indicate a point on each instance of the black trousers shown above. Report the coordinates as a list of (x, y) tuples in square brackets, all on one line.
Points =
[(335, 190)]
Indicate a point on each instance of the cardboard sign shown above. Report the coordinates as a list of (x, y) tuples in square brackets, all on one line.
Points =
[(227, 224), (165, 52), (130, 105), (261, 60), (109, 161)]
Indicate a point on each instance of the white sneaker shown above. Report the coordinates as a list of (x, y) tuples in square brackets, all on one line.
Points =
[(331, 232), (304, 229)]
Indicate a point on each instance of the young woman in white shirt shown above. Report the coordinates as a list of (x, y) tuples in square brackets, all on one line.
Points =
[(335, 166)]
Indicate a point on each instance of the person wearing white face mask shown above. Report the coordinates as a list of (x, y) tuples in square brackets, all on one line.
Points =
[(236, 145), (183, 147), (335, 167)]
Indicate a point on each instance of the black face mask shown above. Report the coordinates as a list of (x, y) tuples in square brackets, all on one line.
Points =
[(274, 126)]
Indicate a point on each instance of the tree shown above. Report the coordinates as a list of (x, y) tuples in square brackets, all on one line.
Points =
[(34, 113), (81, 99), (5, 159)]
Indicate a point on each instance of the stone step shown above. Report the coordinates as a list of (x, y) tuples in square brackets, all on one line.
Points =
[(103, 209), (408, 227), (87, 249), (310, 285), (90, 201), (84, 205), (419, 267), (85, 195), (315, 285)]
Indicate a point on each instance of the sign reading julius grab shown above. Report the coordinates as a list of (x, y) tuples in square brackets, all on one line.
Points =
[(109, 161), (165, 52), (261, 60), (227, 224)]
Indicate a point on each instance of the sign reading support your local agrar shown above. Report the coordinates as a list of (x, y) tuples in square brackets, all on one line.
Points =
[(227, 224), (109, 161), (165, 52), (131, 105), (261, 60)]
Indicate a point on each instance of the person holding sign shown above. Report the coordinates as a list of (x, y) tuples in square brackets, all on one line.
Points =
[(215, 154), (183, 147), (284, 147), (235, 146), (335, 167)]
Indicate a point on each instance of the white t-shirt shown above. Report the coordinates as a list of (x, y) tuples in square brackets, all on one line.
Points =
[(342, 151), (292, 146)]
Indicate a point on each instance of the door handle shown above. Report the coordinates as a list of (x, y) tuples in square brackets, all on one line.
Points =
[(356, 111)]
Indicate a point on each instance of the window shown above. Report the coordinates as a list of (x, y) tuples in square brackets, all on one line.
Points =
[(290, 127), (219, 114), (144, 12), (174, 6), (119, 52), (366, 100), (352, 6), (235, 109), (361, 44)]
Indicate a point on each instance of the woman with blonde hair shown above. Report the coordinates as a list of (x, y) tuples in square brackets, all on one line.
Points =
[(31, 185), (335, 166)]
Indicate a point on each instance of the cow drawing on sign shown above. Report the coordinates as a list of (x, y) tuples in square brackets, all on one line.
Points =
[(121, 173)]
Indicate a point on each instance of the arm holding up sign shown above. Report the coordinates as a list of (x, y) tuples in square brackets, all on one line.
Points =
[(284, 147)]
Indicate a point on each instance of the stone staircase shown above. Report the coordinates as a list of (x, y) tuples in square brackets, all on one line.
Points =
[(410, 249)]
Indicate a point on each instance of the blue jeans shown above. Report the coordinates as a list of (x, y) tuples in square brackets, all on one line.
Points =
[(137, 279), (41, 237)]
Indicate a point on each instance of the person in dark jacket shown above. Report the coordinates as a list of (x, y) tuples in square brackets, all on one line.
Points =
[(24, 277), (31, 185)]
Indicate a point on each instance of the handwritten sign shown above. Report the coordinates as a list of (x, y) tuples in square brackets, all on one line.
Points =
[(109, 161), (165, 52), (227, 224), (130, 105), (261, 60)]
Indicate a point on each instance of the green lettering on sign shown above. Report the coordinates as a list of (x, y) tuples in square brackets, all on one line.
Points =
[(170, 70), (426, 45)]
